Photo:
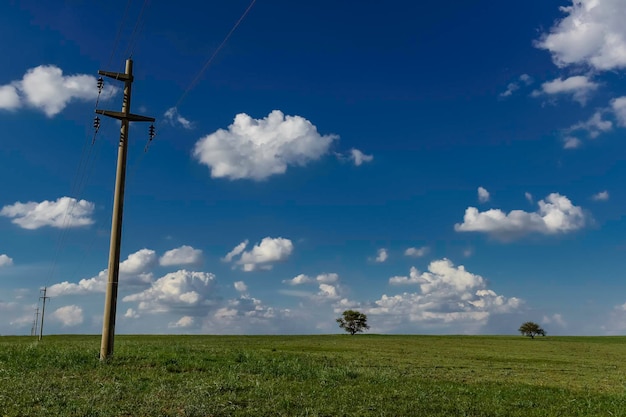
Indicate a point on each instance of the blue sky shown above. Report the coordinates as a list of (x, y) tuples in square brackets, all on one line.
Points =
[(444, 168)]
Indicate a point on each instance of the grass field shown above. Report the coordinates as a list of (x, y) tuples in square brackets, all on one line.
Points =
[(338, 375)]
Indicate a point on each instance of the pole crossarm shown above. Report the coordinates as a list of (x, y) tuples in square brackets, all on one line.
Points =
[(117, 75), (121, 116)]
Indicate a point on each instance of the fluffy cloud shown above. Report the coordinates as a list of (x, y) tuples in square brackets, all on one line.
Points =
[(579, 86), (185, 255), (556, 214), (180, 290), (63, 213), (184, 322), (47, 89), (241, 286), (618, 106), (69, 315), (592, 33), (594, 126), (601, 196), (329, 278), (416, 252), (381, 255), (571, 142), (359, 157), (262, 255), (447, 294), (133, 271), (175, 119), (554, 319), (258, 148), (483, 195), (247, 315), (5, 260)]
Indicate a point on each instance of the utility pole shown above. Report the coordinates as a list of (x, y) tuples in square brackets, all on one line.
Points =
[(43, 310), (33, 331), (110, 303)]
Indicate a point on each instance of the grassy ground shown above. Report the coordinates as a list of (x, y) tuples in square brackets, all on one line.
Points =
[(364, 375)]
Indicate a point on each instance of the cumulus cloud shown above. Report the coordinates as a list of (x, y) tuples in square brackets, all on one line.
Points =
[(68, 316), (185, 321), (592, 33), (180, 290), (446, 294), (185, 255), (416, 252), (359, 157), (65, 212), (258, 148), (5, 260), (263, 254), (237, 250), (483, 195), (381, 255), (131, 314), (618, 106), (571, 142), (556, 214), (241, 286), (327, 278), (594, 126), (46, 88), (244, 315), (133, 271), (175, 119), (554, 319), (601, 196), (579, 87)]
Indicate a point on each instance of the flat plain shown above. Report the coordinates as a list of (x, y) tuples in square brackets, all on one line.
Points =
[(327, 375)]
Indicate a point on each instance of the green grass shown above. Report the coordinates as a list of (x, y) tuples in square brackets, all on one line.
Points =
[(339, 375)]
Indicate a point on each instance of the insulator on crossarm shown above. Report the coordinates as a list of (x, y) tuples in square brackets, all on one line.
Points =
[(96, 123), (100, 85), (151, 132)]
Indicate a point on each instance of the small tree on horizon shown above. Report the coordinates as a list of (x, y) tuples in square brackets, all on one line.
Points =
[(531, 329), (353, 322)]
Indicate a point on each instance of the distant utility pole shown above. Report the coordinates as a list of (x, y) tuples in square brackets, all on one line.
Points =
[(43, 310), (110, 303), (33, 331)]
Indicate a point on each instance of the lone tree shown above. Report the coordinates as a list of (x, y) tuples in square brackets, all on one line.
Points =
[(353, 322), (531, 329)]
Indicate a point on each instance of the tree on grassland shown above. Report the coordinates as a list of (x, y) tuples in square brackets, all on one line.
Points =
[(531, 329), (353, 322)]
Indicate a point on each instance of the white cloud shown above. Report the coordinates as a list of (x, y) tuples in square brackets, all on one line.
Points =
[(185, 321), (131, 314), (601, 196), (180, 290), (554, 319), (241, 286), (448, 294), (594, 126), (618, 106), (47, 89), (556, 214), (592, 33), (381, 255), (327, 278), (9, 99), (174, 118), (514, 86), (258, 148), (359, 157), (571, 142), (328, 292), (483, 195), (579, 86), (529, 197), (185, 255), (63, 213), (236, 251), (416, 252), (5, 260), (264, 254), (69, 315), (133, 271)]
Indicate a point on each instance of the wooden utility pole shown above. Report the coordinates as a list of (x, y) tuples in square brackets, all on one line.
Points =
[(110, 304), (43, 310), (33, 331)]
